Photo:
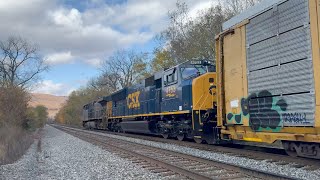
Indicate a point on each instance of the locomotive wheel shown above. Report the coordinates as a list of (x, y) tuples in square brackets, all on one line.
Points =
[(166, 136), (198, 140), (180, 137)]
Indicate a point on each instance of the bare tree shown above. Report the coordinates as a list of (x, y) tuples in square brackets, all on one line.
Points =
[(189, 37), (177, 34), (13, 106), (106, 82), (234, 7), (192, 38), (125, 68), (20, 63)]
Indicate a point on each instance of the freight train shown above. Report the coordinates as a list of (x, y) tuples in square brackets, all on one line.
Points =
[(263, 87)]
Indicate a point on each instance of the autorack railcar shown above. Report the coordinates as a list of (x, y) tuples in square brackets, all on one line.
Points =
[(268, 70)]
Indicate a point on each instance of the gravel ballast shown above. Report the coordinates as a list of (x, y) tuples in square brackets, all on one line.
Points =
[(264, 165), (63, 156)]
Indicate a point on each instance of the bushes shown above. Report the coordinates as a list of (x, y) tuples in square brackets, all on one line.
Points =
[(14, 142), (13, 106), (37, 117), (16, 122)]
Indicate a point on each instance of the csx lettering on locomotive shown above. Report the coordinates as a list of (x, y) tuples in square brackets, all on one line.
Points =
[(133, 100), (171, 91)]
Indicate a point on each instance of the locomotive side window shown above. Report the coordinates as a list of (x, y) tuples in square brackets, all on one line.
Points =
[(192, 71), (170, 77)]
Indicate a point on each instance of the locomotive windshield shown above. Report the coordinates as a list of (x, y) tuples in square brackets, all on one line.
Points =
[(192, 71)]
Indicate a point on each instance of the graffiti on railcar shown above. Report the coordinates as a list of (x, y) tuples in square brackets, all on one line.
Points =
[(296, 118), (263, 111)]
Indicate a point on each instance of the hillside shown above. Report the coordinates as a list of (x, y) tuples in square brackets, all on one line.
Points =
[(53, 103)]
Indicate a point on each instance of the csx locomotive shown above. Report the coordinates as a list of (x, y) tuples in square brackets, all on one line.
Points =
[(265, 87), (178, 102)]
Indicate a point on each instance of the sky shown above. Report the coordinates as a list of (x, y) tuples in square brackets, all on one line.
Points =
[(75, 36)]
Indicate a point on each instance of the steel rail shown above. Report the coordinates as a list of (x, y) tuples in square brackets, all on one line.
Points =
[(229, 166)]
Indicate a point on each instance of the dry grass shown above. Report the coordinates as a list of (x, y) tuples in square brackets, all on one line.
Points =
[(14, 143)]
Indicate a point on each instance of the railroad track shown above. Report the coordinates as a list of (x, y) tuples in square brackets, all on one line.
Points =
[(256, 154), (169, 164)]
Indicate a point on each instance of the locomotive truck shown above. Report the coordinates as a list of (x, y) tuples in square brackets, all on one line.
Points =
[(263, 87)]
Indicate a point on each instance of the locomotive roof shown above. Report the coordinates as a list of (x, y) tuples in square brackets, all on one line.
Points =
[(250, 13), (120, 93)]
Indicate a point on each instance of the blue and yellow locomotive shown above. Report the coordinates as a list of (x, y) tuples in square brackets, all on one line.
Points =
[(177, 102)]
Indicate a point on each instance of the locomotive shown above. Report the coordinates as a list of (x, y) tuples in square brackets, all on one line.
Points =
[(178, 102), (263, 88)]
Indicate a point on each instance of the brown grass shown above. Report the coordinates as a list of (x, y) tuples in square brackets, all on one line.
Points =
[(14, 143)]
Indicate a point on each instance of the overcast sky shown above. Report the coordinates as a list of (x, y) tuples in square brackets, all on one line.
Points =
[(75, 35)]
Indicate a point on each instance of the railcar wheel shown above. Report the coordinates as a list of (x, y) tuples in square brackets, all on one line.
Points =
[(166, 136), (197, 140), (180, 137), (290, 149)]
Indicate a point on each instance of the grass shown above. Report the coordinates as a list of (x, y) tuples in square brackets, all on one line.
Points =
[(14, 141)]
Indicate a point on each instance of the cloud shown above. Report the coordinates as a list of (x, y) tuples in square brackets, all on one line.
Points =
[(194, 11), (95, 62), (59, 58), (49, 87), (90, 29), (69, 18)]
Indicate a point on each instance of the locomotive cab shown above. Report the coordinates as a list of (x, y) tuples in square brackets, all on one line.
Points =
[(190, 87), (204, 107), (177, 85)]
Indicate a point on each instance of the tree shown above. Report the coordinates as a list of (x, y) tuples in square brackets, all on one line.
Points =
[(234, 7), (189, 38), (162, 60), (13, 106), (42, 115), (177, 34), (106, 82), (37, 116), (125, 68), (20, 63)]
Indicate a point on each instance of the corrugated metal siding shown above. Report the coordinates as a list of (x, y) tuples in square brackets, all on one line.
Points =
[(251, 12), (300, 110), (262, 27), (279, 59), (295, 77), (266, 79), (287, 47), (292, 14), (294, 45), (263, 54)]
